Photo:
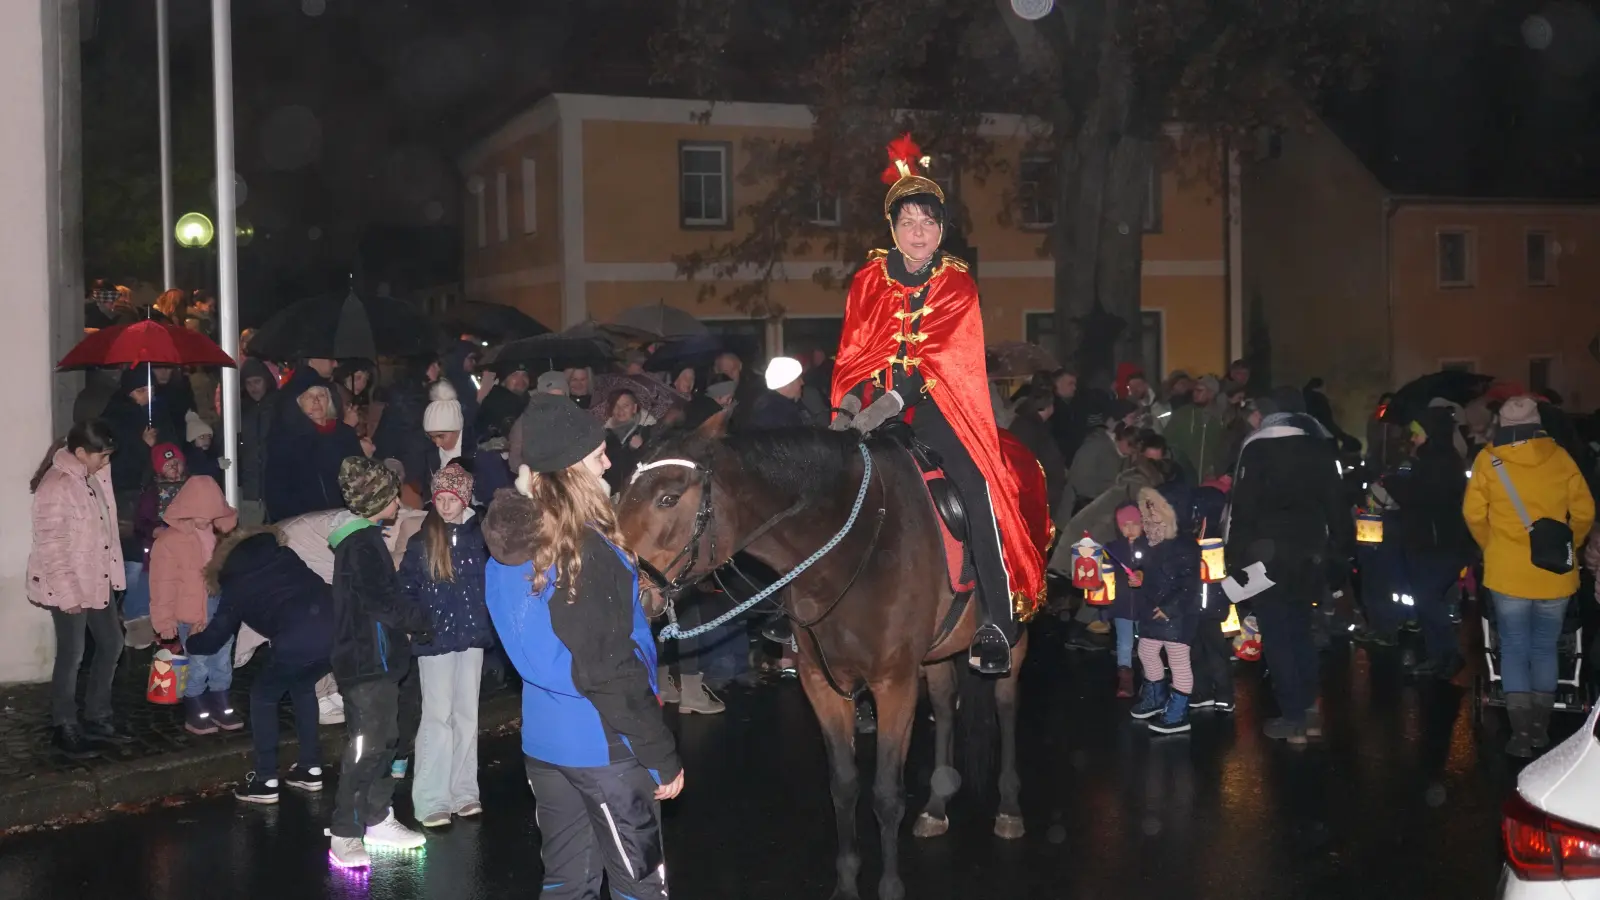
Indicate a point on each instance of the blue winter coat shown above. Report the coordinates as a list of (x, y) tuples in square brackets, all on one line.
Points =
[(302, 474), (1134, 555), (460, 617), (1171, 573), (265, 585)]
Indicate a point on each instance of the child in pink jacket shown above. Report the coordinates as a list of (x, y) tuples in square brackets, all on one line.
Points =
[(73, 568), (180, 605)]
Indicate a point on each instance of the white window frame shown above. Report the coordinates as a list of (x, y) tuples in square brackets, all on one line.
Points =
[(1469, 264), (1550, 253), (723, 150), (1553, 360), (502, 202), (818, 209), (530, 195)]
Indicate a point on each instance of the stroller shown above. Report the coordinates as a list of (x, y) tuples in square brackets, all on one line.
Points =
[(1574, 693)]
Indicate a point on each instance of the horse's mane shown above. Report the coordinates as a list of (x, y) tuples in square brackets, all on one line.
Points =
[(800, 463)]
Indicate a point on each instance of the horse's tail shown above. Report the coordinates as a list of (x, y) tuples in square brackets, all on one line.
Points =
[(977, 730)]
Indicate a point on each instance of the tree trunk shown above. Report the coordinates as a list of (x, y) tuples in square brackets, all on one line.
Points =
[(1098, 243)]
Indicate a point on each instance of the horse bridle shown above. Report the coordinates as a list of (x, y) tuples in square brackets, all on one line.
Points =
[(682, 567)]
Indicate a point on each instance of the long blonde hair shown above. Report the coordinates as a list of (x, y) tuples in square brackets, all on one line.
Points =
[(436, 547), (569, 502)]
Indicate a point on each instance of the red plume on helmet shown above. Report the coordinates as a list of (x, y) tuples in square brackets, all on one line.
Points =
[(905, 157)]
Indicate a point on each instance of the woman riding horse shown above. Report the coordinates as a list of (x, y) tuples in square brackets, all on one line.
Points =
[(912, 347)]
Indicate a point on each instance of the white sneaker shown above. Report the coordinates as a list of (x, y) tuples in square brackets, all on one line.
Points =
[(435, 820), (348, 853), (390, 833), (330, 710)]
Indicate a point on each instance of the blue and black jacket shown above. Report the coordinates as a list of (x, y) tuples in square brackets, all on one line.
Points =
[(587, 661), (373, 617)]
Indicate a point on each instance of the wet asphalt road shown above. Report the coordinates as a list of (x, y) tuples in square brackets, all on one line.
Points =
[(1400, 801)]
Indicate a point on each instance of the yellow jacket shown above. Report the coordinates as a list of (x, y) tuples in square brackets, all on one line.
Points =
[(1550, 485)]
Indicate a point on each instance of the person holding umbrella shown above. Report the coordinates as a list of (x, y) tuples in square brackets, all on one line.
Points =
[(504, 402)]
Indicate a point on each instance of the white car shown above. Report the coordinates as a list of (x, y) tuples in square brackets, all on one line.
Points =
[(1551, 825)]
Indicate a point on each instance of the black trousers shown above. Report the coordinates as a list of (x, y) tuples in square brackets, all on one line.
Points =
[(300, 683), (1284, 612), (598, 821), (1212, 652), (73, 631), (983, 532), (371, 718)]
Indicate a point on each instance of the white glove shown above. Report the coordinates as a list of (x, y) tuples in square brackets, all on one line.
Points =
[(879, 411), (849, 407)]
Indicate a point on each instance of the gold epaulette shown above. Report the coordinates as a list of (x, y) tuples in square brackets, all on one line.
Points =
[(956, 262), (875, 255)]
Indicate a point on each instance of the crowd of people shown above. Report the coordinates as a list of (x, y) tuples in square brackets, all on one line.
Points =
[(389, 528)]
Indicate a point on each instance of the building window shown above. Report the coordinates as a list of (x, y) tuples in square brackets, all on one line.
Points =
[(745, 337), (1539, 374), (502, 214), (1456, 264), (480, 214), (703, 184), (1152, 200), (1458, 365), (823, 209), (806, 336), (1539, 257), (530, 196), (1036, 192), (1040, 328)]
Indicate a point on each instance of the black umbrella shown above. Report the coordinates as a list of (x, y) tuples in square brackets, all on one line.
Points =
[(590, 330), (657, 322), (1453, 385), (344, 327), (700, 352), (493, 322), (545, 353)]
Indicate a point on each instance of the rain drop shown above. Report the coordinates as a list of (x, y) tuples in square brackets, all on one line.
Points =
[(1056, 835), (314, 233), (313, 8), (433, 210), (1537, 32), (241, 191), (1080, 759), (1151, 826), (1122, 228)]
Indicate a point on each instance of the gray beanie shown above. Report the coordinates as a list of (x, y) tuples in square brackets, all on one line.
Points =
[(557, 434)]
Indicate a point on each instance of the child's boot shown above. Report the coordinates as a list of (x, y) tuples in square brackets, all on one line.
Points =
[(1124, 682), (197, 716), (222, 711), (1152, 700), (1174, 718)]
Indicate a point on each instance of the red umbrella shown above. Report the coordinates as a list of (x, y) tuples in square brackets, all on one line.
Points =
[(145, 342)]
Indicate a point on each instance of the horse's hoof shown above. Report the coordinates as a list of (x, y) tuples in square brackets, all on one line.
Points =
[(927, 826), (1008, 827)]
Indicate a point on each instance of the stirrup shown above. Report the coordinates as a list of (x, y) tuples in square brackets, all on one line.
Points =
[(990, 653), (778, 630)]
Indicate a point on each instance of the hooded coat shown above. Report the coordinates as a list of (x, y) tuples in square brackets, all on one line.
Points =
[(255, 424), (1288, 501), (1430, 492), (1171, 568), (302, 472), (373, 618), (130, 469), (181, 553), (1551, 486), (265, 585), (76, 560)]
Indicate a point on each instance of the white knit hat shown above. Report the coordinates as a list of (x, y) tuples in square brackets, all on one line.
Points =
[(442, 390), (194, 426), (442, 415)]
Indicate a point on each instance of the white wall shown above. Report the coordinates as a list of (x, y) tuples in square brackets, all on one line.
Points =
[(27, 174)]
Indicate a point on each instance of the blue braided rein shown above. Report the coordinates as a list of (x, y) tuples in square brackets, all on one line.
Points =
[(671, 631)]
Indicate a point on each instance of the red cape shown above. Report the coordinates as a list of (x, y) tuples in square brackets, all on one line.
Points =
[(950, 357)]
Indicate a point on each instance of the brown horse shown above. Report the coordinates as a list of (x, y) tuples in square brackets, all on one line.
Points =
[(868, 614)]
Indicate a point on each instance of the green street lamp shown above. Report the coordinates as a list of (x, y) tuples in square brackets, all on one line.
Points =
[(194, 230)]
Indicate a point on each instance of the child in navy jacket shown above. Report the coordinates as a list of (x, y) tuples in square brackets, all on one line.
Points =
[(1168, 610)]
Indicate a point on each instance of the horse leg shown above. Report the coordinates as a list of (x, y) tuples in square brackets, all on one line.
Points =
[(1008, 823), (837, 715), (942, 692), (897, 706)]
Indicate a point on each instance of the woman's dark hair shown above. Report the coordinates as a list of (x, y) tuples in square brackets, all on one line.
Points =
[(1149, 440), (927, 203), (618, 394), (93, 436)]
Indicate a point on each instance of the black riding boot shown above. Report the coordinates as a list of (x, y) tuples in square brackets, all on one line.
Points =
[(778, 629)]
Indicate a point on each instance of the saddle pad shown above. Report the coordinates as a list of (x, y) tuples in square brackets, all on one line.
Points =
[(957, 566)]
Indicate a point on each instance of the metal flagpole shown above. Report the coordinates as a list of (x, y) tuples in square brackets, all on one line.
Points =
[(227, 239), (164, 89)]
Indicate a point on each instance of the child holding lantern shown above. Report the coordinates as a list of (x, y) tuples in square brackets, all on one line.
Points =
[(1127, 558), (1167, 604)]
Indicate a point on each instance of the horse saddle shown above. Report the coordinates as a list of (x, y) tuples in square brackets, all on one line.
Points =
[(947, 502)]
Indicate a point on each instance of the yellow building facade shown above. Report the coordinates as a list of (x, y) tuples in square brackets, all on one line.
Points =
[(577, 207)]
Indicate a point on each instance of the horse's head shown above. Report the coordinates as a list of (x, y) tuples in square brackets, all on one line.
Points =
[(668, 518)]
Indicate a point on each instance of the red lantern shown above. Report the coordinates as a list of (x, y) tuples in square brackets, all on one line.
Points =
[(168, 673)]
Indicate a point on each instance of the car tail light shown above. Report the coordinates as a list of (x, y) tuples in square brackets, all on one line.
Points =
[(1540, 847)]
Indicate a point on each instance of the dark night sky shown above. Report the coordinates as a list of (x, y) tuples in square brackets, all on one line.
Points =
[(349, 112)]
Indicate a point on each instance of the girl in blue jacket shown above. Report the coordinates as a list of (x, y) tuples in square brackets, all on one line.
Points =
[(443, 571), (564, 595), (1168, 608)]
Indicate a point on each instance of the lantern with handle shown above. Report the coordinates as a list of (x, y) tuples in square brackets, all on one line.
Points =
[(1213, 564), (1369, 528), (1088, 557), (168, 674)]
